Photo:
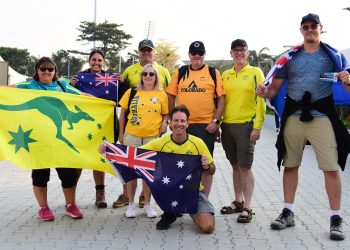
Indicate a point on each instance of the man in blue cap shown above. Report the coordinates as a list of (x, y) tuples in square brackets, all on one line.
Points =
[(309, 115)]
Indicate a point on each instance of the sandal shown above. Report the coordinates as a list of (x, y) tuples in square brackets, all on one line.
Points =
[(236, 208), (242, 218)]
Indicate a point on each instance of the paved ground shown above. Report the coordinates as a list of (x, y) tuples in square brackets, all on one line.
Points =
[(109, 229)]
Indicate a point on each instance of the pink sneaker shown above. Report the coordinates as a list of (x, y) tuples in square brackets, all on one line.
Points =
[(73, 211), (45, 214)]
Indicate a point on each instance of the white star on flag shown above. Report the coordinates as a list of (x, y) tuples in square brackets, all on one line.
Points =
[(82, 77), (166, 180), (89, 82), (107, 92), (189, 177), (174, 203), (181, 186), (180, 164)]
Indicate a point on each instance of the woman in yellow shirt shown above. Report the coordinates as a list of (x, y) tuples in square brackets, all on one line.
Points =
[(146, 121)]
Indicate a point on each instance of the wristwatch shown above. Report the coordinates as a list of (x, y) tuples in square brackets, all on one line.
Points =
[(216, 121)]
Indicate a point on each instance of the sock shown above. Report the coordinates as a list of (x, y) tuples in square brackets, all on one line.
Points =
[(289, 206), (335, 212)]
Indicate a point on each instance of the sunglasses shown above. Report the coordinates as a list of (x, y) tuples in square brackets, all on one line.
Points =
[(146, 49), (151, 74), (43, 69), (307, 27), (239, 50), (200, 53)]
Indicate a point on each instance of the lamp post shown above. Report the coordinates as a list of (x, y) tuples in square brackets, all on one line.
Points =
[(94, 43)]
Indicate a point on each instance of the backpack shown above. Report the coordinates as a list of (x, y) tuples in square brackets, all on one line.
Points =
[(184, 73)]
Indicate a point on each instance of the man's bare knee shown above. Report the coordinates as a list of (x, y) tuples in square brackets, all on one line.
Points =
[(205, 222)]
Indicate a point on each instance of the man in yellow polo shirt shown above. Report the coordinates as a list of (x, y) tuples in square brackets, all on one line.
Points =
[(242, 121), (196, 89), (146, 52), (179, 142)]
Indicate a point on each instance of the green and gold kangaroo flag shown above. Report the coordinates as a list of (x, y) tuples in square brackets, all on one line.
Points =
[(47, 129)]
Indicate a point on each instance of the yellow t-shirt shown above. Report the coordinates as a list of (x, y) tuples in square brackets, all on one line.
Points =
[(146, 112), (132, 74), (197, 92), (241, 102), (192, 146)]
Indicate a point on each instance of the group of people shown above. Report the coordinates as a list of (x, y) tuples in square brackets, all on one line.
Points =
[(196, 102)]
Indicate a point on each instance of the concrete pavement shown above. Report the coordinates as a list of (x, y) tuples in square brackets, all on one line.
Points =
[(109, 229)]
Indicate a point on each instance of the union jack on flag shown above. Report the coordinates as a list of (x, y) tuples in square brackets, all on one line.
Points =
[(106, 79), (173, 178), (104, 85), (132, 158)]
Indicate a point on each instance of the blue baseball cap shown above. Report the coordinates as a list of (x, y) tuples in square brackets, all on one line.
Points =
[(311, 17)]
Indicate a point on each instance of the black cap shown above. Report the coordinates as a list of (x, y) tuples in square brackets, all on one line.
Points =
[(311, 17), (197, 46), (146, 43), (239, 42)]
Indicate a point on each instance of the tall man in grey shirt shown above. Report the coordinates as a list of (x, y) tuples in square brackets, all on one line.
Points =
[(306, 124)]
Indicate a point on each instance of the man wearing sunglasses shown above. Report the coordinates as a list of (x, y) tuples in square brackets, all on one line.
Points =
[(131, 76), (197, 91), (309, 115)]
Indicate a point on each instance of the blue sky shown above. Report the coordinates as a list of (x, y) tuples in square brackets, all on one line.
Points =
[(44, 27)]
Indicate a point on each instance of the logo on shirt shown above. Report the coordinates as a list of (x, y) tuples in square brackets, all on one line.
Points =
[(154, 100), (133, 109), (192, 88)]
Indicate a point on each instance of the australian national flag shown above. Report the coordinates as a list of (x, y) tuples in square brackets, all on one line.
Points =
[(174, 179), (104, 85)]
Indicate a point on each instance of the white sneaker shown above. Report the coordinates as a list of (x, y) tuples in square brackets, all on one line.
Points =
[(149, 211), (130, 211)]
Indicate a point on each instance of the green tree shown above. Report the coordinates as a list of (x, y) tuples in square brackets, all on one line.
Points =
[(67, 64), (108, 36), (19, 59), (166, 55), (262, 59)]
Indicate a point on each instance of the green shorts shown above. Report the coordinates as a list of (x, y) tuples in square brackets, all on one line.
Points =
[(235, 139)]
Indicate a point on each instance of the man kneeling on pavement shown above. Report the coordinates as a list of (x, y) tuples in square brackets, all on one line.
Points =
[(179, 142)]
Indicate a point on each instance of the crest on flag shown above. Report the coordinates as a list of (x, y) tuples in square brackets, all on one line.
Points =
[(48, 129)]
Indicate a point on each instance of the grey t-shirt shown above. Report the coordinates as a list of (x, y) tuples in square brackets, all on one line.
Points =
[(303, 74)]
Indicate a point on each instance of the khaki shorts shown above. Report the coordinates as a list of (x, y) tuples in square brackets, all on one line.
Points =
[(319, 133), (135, 141)]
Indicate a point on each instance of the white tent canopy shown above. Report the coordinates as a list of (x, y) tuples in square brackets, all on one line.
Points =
[(13, 76)]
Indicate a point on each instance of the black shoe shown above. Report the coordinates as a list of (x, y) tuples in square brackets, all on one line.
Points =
[(285, 219), (165, 222), (336, 228)]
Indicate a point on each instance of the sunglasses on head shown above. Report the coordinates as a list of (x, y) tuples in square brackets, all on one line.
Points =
[(199, 52), (151, 74), (43, 69), (146, 49), (306, 27)]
